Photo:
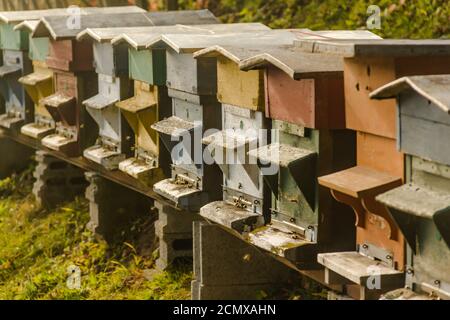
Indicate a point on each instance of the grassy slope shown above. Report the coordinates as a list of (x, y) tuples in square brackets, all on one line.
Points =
[(37, 247)]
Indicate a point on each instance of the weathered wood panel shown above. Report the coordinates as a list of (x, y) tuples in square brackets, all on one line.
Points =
[(380, 154), (148, 66), (314, 103), (424, 139), (12, 40), (67, 84), (39, 85), (39, 49), (239, 88), (109, 60), (70, 55), (363, 75)]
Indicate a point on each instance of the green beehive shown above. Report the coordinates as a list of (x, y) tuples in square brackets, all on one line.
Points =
[(13, 40)]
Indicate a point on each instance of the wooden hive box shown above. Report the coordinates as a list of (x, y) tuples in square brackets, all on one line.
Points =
[(38, 84), (115, 139), (421, 208), (18, 106), (380, 166), (14, 46), (188, 108)]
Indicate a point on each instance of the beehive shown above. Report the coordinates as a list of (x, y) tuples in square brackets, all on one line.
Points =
[(38, 84), (192, 87), (246, 199), (18, 106), (421, 208)]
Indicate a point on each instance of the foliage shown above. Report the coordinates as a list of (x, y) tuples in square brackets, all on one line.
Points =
[(38, 247), (399, 18)]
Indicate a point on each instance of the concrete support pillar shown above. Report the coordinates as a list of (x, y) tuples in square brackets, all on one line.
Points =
[(56, 181), (14, 157), (174, 230), (226, 267), (113, 207)]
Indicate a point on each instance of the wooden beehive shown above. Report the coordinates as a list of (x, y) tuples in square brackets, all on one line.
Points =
[(18, 106), (75, 130), (307, 141), (421, 208), (150, 163), (380, 166), (246, 199), (38, 84), (115, 139)]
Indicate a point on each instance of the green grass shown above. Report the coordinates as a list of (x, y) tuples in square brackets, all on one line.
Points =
[(38, 247)]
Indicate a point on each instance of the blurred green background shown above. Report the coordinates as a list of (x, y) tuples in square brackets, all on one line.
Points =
[(399, 18)]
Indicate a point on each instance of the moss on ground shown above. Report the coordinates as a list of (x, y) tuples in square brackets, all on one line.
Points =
[(38, 248)]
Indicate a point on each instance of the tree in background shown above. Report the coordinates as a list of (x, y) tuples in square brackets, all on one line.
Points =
[(399, 18)]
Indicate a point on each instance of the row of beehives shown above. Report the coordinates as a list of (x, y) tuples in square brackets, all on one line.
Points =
[(114, 86)]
